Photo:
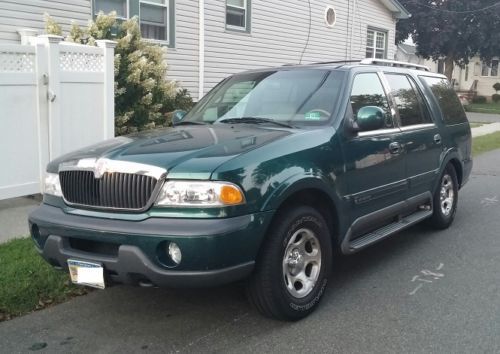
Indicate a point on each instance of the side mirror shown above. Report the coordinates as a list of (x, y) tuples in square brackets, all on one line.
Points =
[(370, 118), (178, 116)]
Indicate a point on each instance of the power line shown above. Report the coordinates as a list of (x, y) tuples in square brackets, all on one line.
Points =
[(308, 33), (457, 12)]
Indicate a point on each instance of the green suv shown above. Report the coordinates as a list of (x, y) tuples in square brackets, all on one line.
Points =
[(266, 178)]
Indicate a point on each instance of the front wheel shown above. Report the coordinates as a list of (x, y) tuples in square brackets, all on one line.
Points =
[(293, 267), (445, 199)]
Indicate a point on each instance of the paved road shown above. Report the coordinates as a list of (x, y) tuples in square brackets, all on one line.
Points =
[(483, 117), (421, 291)]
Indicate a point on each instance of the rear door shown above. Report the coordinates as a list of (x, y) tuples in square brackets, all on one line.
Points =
[(421, 139)]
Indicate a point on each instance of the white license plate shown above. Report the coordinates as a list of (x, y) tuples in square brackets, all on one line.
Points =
[(86, 273)]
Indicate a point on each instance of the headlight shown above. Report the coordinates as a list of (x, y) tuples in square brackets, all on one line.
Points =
[(52, 185), (199, 193)]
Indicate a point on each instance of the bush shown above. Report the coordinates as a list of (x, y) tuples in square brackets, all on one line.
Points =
[(496, 86), (495, 98), (143, 95), (479, 99)]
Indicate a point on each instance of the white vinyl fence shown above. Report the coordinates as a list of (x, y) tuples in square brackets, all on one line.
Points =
[(55, 97)]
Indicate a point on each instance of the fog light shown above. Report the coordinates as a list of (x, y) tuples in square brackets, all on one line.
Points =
[(174, 252)]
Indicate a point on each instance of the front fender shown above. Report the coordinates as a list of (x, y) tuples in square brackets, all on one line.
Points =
[(295, 184)]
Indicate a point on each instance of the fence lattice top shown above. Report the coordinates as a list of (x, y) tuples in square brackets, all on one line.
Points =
[(17, 62)]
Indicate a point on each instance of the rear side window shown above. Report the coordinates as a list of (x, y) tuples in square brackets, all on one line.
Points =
[(411, 111), (453, 112)]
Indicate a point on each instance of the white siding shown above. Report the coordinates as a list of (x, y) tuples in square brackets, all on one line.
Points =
[(18, 14), (279, 31), (183, 59)]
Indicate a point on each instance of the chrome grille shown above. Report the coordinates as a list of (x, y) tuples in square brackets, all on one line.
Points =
[(113, 190)]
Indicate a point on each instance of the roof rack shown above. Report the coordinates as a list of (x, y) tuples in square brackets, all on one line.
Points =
[(393, 63), (337, 62), (325, 62)]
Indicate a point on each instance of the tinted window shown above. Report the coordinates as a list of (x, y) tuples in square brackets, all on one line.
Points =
[(453, 112), (407, 100), (367, 90)]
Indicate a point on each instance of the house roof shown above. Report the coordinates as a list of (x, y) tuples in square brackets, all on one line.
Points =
[(408, 48), (396, 8)]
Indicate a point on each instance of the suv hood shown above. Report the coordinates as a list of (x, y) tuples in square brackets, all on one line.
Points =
[(195, 151)]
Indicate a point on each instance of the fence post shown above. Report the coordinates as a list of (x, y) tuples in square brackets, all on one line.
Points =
[(42, 121), (109, 87), (53, 94)]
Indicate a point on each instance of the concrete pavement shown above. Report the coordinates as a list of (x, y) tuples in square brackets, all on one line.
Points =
[(485, 129), (421, 291), (14, 216)]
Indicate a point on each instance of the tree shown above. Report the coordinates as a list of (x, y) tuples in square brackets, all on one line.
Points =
[(143, 95), (453, 30)]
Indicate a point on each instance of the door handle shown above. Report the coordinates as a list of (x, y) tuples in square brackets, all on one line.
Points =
[(395, 148), (437, 139)]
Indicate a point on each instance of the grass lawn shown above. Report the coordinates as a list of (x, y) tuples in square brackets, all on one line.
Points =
[(27, 282), (485, 143), (484, 107), (476, 125)]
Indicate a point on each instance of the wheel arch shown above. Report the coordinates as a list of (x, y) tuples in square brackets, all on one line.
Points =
[(315, 193), (452, 157)]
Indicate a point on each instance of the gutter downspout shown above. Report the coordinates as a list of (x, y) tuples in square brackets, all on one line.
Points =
[(201, 49)]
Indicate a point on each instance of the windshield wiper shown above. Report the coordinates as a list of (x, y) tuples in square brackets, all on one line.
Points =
[(254, 120), (187, 122)]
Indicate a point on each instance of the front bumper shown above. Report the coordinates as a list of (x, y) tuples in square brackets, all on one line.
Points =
[(214, 251)]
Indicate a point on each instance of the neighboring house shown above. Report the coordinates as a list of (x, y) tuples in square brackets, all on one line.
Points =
[(408, 53), (208, 40), (477, 77)]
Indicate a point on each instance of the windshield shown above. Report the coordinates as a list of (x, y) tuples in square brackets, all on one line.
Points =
[(284, 96)]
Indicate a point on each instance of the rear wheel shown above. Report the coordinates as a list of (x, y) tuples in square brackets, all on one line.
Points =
[(293, 267), (445, 199)]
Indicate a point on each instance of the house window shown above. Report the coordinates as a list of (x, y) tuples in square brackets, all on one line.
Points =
[(106, 6), (490, 69), (376, 44), (485, 71), (494, 68), (156, 17), (237, 14)]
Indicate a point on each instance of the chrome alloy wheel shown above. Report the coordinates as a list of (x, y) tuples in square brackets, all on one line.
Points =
[(302, 263), (447, 195)]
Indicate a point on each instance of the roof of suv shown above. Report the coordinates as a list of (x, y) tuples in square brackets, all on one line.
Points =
[(347, 65)]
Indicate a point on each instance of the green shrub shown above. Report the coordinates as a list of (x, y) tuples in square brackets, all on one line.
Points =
[(496, 86), (479, 99), (143, 95), (495, 98)]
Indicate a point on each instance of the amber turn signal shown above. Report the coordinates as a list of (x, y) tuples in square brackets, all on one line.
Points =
[(230, 195)]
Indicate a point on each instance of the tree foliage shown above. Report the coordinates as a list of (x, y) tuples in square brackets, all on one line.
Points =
[(143, 95), (454, 30)]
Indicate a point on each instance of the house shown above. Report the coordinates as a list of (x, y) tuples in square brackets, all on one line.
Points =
[(476, 78), (207, 40)]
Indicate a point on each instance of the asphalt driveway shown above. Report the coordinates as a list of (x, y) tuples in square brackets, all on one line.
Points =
[(421, 291)]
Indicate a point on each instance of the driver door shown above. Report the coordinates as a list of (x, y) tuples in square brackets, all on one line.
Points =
[(374, 160)]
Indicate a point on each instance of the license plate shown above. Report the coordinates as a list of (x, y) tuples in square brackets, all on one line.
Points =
[(86, 273)]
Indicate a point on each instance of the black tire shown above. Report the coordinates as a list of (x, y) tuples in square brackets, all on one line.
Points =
[(267, 289), (443, 216)]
